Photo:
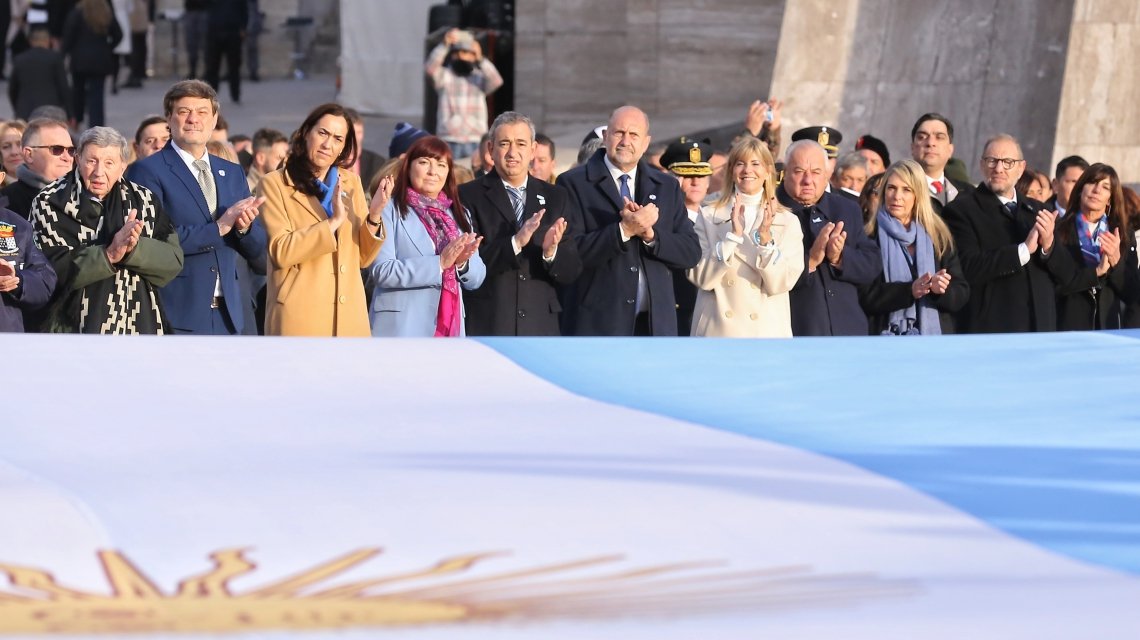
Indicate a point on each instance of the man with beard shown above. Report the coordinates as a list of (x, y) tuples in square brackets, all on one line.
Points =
[(463, 78)]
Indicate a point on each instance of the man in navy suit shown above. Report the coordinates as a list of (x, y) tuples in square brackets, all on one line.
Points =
[(633, 230), (208, 201), (840, 257)]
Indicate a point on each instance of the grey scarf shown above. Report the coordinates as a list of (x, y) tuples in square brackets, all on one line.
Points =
[(30, 178)]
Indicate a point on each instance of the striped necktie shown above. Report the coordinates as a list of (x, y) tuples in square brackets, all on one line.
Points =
[(518, 201)]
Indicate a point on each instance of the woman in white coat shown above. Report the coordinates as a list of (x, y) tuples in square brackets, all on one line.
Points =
[(431, 254), (751, 252)]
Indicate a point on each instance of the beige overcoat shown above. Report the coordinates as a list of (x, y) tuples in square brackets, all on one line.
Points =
[(746, 295), (315, 287)]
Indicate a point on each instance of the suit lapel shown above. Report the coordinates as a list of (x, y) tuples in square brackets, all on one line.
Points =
[(416, 233), (497, 195), (310, 204), (646, 190), (597, 173), (193, 189)]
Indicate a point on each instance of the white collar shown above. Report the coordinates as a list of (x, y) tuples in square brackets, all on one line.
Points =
[(190, 160), (616, 174), (508, 186)]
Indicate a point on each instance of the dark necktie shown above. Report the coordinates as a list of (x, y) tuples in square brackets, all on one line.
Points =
[(1010, 208), (624, 190)]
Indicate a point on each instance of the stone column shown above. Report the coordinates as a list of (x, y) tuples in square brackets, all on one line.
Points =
[(1099, 115)]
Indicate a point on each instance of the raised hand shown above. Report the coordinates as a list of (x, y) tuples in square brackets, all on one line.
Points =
[(526, 231), (757, 114), (240, 214), (1110, 247), (737, 220), (765, 230), (818, 250), (124, 239), (468, 250), (1031, 240), (381, 197), (836, 244), (340, 209), (1046, 221), (458, 250), (552, 238)]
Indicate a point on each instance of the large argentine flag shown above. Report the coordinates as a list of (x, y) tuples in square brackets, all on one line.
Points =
[(949, 488)]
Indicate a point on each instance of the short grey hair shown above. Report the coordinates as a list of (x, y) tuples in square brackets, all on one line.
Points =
[(104, 137), (851, 160), (589, 149), (1003, 137), (803, 144), (511, 117)]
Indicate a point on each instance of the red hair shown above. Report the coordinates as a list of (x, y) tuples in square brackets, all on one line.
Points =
[(436, 149)]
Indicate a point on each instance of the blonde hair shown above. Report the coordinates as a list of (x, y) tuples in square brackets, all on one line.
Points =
[(748, 148), (222, 150), (914, 177)]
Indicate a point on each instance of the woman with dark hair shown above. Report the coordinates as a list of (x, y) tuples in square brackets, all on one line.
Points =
[(321, 232), (433, 252), (90, 35), (1096, 232), (922, 285), (869, 200)]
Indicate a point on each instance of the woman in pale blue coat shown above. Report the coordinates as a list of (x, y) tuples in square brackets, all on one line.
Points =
[(431, 254)]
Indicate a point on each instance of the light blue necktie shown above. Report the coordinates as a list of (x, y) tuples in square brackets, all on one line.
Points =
[(625, 188), (518, 201)]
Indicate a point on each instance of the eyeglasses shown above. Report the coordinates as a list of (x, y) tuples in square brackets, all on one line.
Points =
[(55, 149), (1006, 163)]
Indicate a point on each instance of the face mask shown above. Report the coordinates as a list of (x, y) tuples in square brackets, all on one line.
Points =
[(462, 67)]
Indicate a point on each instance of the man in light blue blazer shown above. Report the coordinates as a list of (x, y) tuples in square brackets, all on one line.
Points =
[(209, 203), (408, 276)]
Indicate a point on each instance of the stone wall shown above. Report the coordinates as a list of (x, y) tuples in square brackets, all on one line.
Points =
[(885, 62), (1100, 108), (688, 63)]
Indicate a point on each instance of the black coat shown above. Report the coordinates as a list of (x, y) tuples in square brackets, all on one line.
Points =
[(229, 18), (1005, 297), (962, 187), (38, 78), (826, 302), (89, 53), (519, 296), (20, 195), (603, 299), (880, 297), (1087, 301)]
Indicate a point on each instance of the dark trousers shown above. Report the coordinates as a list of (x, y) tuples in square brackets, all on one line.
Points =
[(229, 47), (138, 56), (195, 25), (87, 97)]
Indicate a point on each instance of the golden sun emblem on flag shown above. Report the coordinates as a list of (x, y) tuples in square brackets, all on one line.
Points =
[(602, 586)]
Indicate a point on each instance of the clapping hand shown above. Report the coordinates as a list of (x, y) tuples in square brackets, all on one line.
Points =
[(526, 231), (241, 214), (340, 210), (765, 230), (835, 246), (1046, 220), (818, 250), (940, 282), (381, 197), (552, 238), (737, 220), (125, 239), (9, 281), (459, 250)]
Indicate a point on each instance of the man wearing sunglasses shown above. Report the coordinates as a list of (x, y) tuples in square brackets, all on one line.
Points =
[(48, 156)]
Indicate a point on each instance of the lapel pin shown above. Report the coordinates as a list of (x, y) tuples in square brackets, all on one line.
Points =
[(541, 200), (653, 196), (222, 172)]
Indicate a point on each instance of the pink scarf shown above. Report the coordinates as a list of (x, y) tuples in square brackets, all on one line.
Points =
[(442, 229)]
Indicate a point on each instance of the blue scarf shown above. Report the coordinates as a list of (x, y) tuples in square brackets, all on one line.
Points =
[(327, 188), (919, 318), (1089, 237)]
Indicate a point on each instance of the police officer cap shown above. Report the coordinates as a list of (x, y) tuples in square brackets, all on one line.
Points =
[(828, 137), (688, 157)]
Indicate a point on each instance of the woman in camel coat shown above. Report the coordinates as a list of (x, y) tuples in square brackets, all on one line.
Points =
[(751, 253), (321, 232)]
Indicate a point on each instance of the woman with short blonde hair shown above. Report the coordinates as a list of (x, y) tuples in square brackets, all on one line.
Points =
[(751, 252)]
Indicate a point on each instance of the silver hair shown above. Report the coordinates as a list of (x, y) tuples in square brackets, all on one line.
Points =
[(803, 144), (511, 117), (590, 148), (851, 159), (1000, 138), (104, 137)]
